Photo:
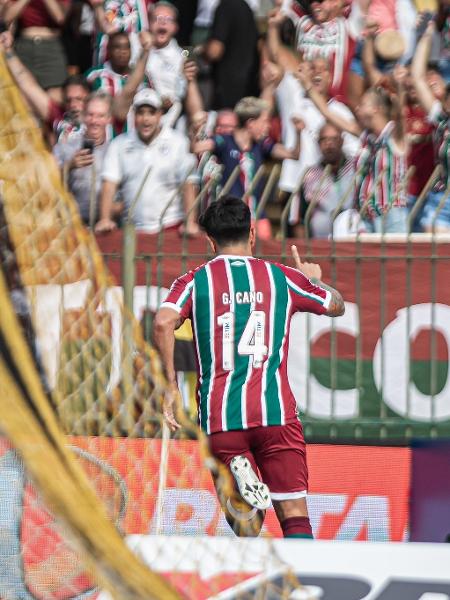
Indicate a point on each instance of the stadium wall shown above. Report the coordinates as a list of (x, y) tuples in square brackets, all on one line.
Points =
[(380, 373), (356, 493), (329, 570)]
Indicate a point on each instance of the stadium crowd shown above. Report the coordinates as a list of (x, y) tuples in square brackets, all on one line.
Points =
[(147, 104)]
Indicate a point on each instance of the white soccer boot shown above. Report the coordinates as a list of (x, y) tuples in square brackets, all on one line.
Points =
[(252, 490)]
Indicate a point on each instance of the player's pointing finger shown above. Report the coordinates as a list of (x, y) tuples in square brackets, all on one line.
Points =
[(296, 257)]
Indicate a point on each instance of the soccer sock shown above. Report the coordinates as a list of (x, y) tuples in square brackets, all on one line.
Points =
[(297, 527)]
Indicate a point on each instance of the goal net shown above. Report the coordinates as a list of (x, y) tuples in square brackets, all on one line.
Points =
[(86, 466)]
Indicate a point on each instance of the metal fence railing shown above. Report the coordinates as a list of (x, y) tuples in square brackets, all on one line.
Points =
[(378, 373)]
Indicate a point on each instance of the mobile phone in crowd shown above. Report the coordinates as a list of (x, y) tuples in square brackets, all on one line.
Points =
[(188, 53), (88, 145)]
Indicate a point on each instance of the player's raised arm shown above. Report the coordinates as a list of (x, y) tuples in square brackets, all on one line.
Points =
[(336, 306)]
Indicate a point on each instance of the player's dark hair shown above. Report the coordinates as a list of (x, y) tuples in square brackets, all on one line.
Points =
[(227, 221)]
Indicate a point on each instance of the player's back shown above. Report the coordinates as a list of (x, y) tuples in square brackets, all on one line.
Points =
[(241, 309), (241, 313)]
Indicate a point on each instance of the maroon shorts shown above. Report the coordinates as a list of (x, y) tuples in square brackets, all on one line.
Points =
[(278, 452)]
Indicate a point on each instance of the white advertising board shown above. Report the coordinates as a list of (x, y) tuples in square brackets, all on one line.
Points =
[(330, 570)]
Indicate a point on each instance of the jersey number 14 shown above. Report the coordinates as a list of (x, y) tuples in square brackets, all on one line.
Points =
[(252, 342)]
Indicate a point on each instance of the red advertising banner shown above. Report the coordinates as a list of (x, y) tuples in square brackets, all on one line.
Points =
[(356, 493), (386, 358), (368, 273)]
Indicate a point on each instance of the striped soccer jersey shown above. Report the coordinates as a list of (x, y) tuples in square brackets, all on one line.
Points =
[(241, 309), (130, 16)]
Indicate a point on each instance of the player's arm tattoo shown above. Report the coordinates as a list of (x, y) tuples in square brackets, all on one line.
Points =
[(336, 307)]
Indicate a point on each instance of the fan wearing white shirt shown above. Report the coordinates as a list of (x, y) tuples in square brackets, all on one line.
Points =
[(156, 158)]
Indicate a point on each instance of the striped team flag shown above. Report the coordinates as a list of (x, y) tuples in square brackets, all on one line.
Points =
[(334, 40), (241, 309), (130, 16)]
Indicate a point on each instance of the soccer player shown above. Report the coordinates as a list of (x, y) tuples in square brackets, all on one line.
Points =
[(241, 309)]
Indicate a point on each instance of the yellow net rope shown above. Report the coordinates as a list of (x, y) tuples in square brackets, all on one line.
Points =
[(53, 251), (81, 412)]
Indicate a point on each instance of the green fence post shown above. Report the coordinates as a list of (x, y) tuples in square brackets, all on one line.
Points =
[(358, 280), (128, 283), (309, 212), (434, 259), (263, 201), (93, 197), (194, 207), (409, 264), (230, 181), (285, 216), (254, 182)]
